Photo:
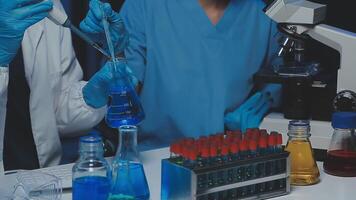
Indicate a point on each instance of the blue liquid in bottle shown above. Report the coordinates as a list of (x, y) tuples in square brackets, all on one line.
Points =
[(91, 187), (91, 174)]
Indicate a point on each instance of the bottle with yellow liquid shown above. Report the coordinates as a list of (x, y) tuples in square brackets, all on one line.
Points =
[(304, 170)]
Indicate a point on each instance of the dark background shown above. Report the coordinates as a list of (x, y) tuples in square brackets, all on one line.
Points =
[(341, 13)]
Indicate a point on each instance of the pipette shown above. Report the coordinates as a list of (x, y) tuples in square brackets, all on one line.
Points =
[(61, 19)]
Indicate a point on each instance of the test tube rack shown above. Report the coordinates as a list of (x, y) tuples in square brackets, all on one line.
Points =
[(270, 179)]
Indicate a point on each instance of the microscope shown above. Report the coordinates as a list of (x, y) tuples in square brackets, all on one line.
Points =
[(309, 91)]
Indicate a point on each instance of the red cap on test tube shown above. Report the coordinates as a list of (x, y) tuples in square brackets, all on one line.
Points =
[(205, 153), (224, 150), (279, 139), (213, 151), (262, 142), (252, 145), (271, 139), (193, 154), (234, 148), (243, 145)]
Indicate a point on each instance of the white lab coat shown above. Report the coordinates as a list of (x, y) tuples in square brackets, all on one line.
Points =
[(54, 76)]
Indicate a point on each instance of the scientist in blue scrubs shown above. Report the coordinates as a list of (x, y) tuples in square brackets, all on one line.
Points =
[(42, 94), (195, 60)]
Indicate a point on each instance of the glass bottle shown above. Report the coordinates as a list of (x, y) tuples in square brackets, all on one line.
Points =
[(304, 170), (125, 107), (129, 179), (91, 174), (341, 156)]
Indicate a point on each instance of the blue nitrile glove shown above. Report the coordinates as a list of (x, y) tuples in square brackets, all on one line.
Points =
[(93, 25), (251, 112), (96, 92), (15, 17)]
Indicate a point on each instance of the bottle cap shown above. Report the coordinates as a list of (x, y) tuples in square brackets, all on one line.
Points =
[(91, 143), (344, 120), (299, 128)]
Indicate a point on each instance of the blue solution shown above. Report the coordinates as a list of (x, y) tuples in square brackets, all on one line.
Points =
[(91, 187), (125, 107), (138, 182)]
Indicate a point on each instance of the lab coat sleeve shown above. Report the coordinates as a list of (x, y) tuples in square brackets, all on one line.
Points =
[(73, 115), (133, 13), (4, 80), (274, 90)]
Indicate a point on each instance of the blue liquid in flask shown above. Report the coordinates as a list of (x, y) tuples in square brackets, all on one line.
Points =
[(137, 183), (125, 107), (91, 187)]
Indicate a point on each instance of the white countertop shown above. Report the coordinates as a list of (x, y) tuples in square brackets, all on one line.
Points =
[(330, 187)]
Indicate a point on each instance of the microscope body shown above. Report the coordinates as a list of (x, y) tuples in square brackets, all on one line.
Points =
[(309, 93)]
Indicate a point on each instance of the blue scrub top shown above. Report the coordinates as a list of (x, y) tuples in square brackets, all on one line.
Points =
[(193, 72)]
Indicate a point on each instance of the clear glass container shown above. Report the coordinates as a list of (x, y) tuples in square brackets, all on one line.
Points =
[(304, 170), (341, 155), (91, 173), (129, 179), (125, 107)]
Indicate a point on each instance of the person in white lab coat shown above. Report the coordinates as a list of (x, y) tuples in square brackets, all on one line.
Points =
[(58, 102)]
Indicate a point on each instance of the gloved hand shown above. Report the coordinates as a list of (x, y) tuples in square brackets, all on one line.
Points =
[(93, 25), (15, 17), (96, 92), (250, 113)]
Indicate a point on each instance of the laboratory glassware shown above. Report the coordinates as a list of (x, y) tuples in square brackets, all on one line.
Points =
[(37, 186), (304, 170), (91, 174), (128, 179), (125, 107), (341, 155)]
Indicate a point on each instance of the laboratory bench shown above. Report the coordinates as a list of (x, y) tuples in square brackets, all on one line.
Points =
[(329, 188)]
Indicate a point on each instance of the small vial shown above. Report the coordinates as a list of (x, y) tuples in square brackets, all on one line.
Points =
[(203, 161), (225, 154), (244, 149), (212, 177), (243, 155), (235, 173), (192, 159), (271, 165), (279, 143)]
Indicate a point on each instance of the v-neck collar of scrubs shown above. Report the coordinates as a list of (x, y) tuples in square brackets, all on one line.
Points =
[(198, 14)]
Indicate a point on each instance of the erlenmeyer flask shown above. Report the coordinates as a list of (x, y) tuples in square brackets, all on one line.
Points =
[(125, 107), (129, 179), (304, 170)]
